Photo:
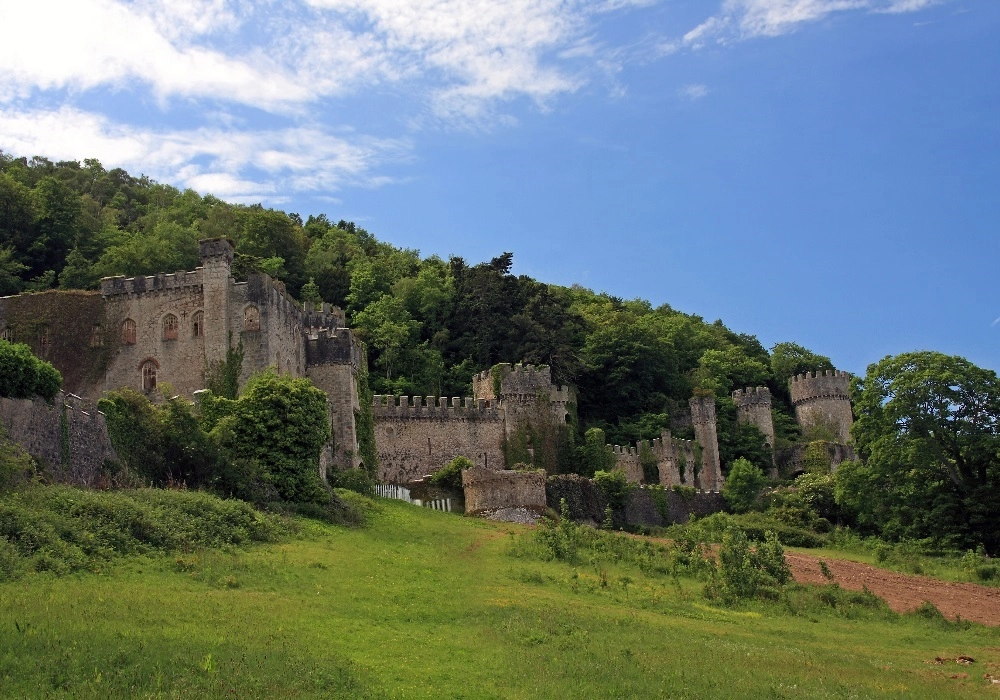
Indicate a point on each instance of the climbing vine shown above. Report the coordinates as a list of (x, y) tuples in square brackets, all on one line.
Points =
[(364, 421)]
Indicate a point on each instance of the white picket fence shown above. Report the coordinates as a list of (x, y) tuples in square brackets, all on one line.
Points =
[(401, 493)]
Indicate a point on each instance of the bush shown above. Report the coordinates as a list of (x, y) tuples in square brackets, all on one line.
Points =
[(743, 485), (615, 487), (745, 572), (22, 375), (356, 480), (450, 475), (64, 529), (16, 465)]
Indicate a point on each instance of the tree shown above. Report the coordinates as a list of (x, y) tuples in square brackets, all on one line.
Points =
[(743, 485), (928, 429), (790, 359)]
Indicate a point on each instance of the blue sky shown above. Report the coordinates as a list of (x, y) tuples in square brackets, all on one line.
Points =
[(824, 171)]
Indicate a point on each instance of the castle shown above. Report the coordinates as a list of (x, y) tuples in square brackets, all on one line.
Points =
[(180, 330)]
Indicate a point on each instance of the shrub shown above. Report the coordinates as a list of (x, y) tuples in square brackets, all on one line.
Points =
[(450, 475), (16, 465), (22, 375), (615, 487), (744, 571), (743, 485), (356, 480)]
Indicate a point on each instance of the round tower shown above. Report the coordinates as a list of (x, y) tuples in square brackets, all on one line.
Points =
[(822, 401)]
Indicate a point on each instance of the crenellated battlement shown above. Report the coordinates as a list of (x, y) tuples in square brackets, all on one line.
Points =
[(328, 346), (162, 282), (322, 316), (752, 396), (519, 382), (828, 384), (702, 410), (434, 407)]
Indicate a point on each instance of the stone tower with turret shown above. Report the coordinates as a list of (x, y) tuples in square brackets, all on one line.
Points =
[(703, 420), (822, 403)]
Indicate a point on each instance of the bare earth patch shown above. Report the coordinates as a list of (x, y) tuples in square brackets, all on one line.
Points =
[(903, 592)]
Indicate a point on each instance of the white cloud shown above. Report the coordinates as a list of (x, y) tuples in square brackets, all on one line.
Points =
[(694, 91), (743, 19), (245, 165), (460, 55), (91, 43)]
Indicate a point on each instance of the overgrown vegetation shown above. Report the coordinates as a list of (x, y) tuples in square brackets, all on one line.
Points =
[(63, 529), (24, 376)]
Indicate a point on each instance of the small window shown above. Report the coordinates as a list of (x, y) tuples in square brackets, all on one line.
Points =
[(148, 371), (97, 336), (128, 332), (251, 319), (7, 334), (198, 324), (170, 327)]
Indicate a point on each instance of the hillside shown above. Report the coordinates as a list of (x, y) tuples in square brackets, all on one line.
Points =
[(425, 604)]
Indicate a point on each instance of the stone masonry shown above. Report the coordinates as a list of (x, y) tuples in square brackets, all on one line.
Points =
[(822, 401)]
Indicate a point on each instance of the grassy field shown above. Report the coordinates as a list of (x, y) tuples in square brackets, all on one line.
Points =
[(427, 604)]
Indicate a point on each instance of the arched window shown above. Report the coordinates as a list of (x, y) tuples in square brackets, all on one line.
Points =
[(251, 319), (170, 327), (198, 324), (97, 336), (148, 371), (7, 334), (128, 332)]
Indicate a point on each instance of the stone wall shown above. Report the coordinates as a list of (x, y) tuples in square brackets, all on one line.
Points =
[(642, 508), (486, 489), (822, 401), (753, 406), (792, 460), (75, 456), (417, 436), (675, 460)]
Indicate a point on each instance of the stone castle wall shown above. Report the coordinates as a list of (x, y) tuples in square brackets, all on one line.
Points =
[(487, 489), (146, 302), (75, 456), (822, 401), (416, 437), (675, 460)]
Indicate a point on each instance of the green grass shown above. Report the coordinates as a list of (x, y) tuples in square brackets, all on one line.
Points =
[(428, 604)]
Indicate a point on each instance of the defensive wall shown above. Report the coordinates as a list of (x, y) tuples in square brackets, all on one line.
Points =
[(416, 436), (797, 459), (586, 503), (68, 438), (675, 460), (487, 489), (822, 402)]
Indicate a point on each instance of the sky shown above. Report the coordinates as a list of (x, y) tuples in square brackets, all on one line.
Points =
[(820, 171)]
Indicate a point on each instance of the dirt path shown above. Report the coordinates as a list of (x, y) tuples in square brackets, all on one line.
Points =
[(903, 592)]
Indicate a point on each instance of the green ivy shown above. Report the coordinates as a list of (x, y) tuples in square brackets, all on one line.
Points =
[(364, 421)]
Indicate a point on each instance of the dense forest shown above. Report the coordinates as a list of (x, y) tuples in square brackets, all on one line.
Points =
[(429, 324)]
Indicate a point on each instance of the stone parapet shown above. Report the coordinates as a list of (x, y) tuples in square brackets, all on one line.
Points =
[(486, 490)]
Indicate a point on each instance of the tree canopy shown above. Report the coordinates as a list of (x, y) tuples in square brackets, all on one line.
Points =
[(928, 428)]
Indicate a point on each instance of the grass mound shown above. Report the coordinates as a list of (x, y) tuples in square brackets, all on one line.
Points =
[(64, 529)]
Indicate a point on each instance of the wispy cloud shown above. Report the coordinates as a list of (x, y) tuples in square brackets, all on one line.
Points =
[(745, 19), (248, 165), (694, 91)]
